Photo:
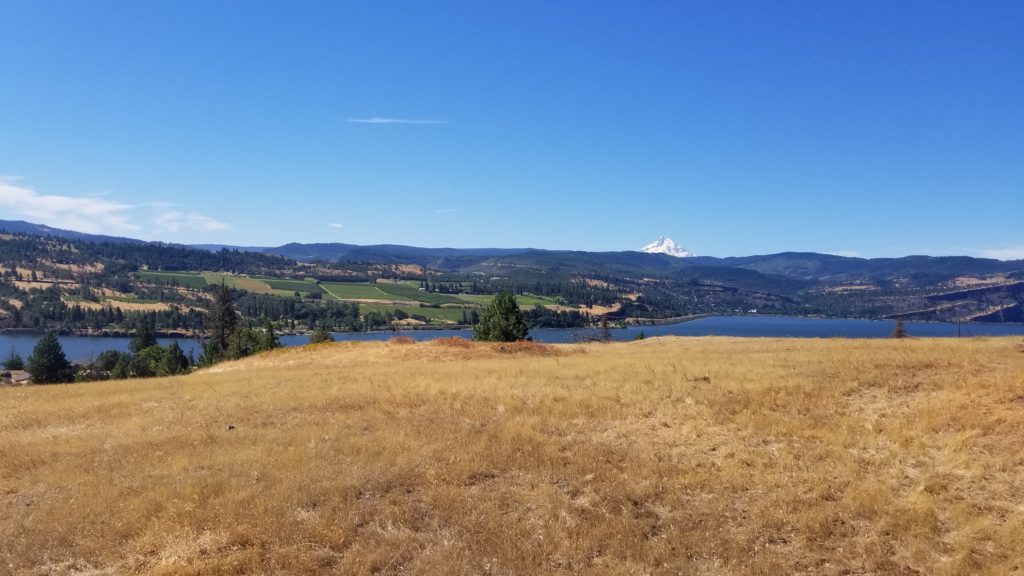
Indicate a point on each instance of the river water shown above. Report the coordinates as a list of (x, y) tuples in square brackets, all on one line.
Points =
[(86, 347)]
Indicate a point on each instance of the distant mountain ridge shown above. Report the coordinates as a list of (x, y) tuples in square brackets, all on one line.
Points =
[(632, 284), (22, 227), (803, 266)]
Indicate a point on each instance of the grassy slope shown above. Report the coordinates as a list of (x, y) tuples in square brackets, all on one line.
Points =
[(666, 456)]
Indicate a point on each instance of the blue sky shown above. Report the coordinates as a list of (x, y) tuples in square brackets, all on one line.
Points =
[(736, 128)]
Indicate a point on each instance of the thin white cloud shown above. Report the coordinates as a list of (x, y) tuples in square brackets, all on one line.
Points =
[(848, 253), (449, 210), (1007, 253), (86, 214), (96, 214), (387, 120), (336, 225), (175, 221)]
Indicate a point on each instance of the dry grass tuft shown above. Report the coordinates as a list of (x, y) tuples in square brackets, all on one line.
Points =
[(708, 456), (401, 340), (527, 347)]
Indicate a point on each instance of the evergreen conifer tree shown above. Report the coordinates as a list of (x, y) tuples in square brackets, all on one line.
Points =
[(174, 360), (47, 364), (143, 337), (223, 318), (501, 321), (268, 339)]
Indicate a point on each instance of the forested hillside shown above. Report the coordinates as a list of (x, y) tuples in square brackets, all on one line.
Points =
[(75, 284)]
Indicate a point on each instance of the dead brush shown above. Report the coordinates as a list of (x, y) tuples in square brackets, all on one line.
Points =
[(401, 340), (452, 342)]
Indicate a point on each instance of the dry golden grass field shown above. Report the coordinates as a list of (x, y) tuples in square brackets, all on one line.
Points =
[(665, 456)]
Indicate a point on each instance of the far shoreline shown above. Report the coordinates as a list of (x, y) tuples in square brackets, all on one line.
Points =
[(627, 323)]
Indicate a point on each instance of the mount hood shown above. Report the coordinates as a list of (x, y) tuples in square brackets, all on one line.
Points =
[(665, 245)]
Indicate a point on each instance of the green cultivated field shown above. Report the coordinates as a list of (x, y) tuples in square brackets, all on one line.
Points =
[(410, 283), (257, 284), (398, 291), (254, 285), (407, 291), (294, 285), (435, 315), (410, 293), (185, 279), (357, 291)]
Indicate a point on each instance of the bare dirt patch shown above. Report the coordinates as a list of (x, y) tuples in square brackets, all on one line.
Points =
[(850, 288), (78, 268), (980, 281), (597, 310), (137, 306), (43, 285), (595, 283), (408, 322)]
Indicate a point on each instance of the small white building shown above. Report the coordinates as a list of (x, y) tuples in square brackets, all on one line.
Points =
[(15, 377)]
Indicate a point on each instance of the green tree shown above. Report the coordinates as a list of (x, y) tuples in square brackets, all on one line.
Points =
[(372, 320), (223, 318), (14, 361), (106, 361), (174, 360), (243, 342), (47, 363), (143, 337), (321, 334), (146, 363), (501, 321), (222, 322), (268, 339), (123, 368)]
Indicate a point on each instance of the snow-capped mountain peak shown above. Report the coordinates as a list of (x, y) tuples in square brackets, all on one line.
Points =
[(665, 245)]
